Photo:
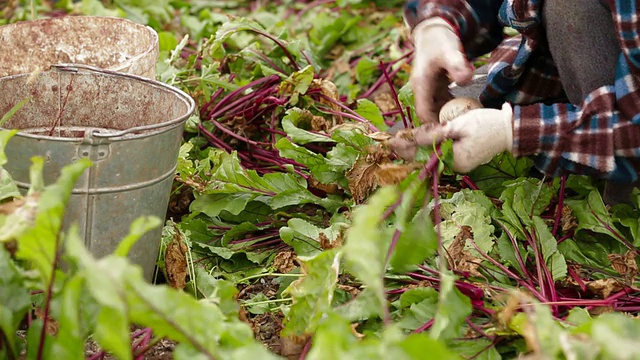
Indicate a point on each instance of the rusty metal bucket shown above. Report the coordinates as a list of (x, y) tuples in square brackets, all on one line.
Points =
[(104, 42), (129, 126)]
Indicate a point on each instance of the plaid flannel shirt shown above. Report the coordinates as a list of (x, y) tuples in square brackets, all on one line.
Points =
[(601, 137)]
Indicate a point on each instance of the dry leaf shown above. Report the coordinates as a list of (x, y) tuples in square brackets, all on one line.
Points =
[(175, 261), (393, 174), (469, 264), (625, 265), (567, 220), (339, 66), (455, 250), (285, 261), (604, 287), (420, 284), (354, 330), (318, 123), (380, 136), (11, 246), (292, 346), (11, 206), (385, 101), (509, 310), (330, 90), (351, 127), (52, 325), (461, 259), (529, 333), (362, 179), (599, 310), (326, 243), (328, 188), (352, 290)]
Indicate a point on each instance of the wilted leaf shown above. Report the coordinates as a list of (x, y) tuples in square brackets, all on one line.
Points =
[(385, 102), (461, 259), (52, 324), (567, 220), (175, 260), (292, 345), (393, 174), (468, 208), (380, 136), (327, 243), (625, 265), (362, 179), (536, 324), (285, 261), (604, 287)]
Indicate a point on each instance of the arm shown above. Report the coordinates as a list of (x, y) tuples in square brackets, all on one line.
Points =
[(602, 135), (475, 20)]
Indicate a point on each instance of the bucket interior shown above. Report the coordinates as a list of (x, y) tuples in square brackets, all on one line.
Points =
[(67, 103), (102, 42)]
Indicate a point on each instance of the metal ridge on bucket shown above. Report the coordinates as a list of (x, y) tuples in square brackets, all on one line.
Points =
[(100, 132)]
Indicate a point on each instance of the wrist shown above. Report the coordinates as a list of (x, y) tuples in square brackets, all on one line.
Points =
[(508, 126), (433, 22)]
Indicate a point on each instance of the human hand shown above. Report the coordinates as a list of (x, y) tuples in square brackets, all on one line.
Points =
[(478, 136), (438, 59)]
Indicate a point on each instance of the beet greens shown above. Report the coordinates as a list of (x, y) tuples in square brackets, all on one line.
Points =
[(288, 206)]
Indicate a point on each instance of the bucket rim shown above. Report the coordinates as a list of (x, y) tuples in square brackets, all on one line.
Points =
[(81, 68), (154, 39)]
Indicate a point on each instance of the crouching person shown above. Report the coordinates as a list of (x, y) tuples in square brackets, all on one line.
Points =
[(565, 91)]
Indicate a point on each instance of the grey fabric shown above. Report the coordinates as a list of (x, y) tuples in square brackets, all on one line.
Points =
[(473, 89), (584, 47)]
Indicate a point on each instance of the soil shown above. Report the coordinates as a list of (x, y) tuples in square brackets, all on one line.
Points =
[(266, 328), (162, 350)]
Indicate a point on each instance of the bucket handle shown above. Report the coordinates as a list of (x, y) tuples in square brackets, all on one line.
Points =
[(76, 68)]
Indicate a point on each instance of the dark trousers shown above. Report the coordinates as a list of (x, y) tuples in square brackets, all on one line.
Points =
[(584, 46)]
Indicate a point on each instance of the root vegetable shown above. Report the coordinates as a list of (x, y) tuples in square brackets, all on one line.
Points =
[(456, 107), (405, 142)]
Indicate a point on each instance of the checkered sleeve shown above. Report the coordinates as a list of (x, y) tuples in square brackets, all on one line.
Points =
[(475, 20), (602, 135)]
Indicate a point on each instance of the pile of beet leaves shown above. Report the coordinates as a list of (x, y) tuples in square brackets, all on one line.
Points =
[(291, 218)]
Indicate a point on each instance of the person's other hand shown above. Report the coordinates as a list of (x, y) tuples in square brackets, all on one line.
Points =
[(438, 59), (478, 136)]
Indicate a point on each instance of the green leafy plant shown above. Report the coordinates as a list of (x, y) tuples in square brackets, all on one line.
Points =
[(294, 226)]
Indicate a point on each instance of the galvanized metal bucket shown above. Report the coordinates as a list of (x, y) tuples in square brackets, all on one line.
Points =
[(104, 42), (129, 126)]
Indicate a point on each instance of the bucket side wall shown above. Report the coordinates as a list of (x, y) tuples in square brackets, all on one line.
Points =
[(104, 42)]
